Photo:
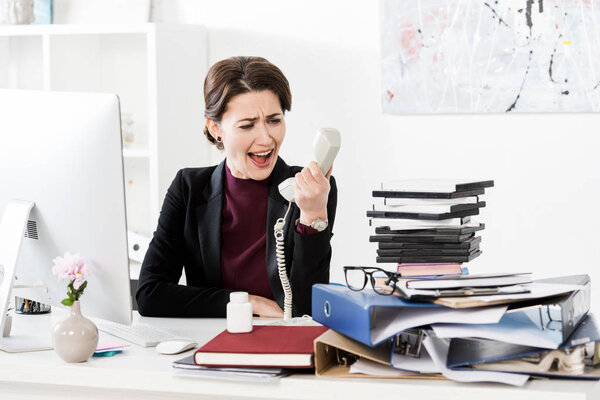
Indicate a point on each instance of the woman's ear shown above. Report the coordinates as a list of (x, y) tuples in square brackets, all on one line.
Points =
[(214, 129)]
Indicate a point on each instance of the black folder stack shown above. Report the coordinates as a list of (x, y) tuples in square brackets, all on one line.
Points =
[(427, 221)]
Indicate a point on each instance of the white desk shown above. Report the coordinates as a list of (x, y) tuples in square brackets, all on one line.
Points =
[(141, 373)]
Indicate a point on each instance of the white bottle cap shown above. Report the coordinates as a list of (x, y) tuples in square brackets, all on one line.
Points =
[(238, 297)]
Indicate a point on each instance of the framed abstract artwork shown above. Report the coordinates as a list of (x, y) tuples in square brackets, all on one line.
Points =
[(473, 56)]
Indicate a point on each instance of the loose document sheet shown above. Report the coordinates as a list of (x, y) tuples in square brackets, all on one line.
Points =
[(392, 320), (434, 360), (515, 328)]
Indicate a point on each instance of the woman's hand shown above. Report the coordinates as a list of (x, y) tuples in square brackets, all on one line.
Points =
[(311, 190), (264, 307)]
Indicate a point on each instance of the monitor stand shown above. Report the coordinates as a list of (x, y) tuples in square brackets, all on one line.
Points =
[(21, 343), (12, 231)]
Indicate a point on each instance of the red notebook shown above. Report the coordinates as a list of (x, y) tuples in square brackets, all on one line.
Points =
[(265, 346)]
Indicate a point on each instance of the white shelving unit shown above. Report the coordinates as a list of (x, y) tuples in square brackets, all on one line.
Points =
[(158, 72)]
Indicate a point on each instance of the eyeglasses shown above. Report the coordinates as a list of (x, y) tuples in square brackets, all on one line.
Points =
[(384, 284)]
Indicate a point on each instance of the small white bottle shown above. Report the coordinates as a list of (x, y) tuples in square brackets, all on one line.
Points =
[(239, 313)]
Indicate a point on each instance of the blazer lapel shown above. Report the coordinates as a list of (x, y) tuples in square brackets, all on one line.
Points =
[(276, 208), (208, 217)]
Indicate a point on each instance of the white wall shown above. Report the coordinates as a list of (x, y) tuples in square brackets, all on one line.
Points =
[(542, 215)]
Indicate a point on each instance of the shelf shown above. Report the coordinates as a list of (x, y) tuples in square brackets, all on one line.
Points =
[(71, 29), (134, 269), (36, 30), (135, 153), (160, 97)]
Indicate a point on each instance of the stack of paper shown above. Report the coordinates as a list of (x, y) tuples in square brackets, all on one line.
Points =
[(543, 331)]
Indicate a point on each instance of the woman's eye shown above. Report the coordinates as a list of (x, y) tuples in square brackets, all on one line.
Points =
[(246, 126), (274, 121)]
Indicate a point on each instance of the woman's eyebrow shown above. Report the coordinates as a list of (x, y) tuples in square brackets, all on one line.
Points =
[(248, 119), (256, 118)]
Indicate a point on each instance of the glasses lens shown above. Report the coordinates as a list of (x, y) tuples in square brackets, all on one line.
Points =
[(355, 279), (382, 284)]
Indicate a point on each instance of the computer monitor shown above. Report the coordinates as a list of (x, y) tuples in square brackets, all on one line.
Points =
[(62, 151)]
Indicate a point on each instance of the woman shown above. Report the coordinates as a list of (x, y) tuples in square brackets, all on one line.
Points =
[(217, 222)]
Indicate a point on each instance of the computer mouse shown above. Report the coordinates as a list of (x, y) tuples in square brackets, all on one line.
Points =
[(175, 346)]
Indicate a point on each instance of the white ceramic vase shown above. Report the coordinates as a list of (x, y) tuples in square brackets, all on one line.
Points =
[(75, 338)]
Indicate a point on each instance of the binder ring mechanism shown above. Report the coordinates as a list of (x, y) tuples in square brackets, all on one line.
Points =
[(342, 357), (409, 343)]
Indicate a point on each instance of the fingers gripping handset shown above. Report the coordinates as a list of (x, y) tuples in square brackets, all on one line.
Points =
[(326, 145)]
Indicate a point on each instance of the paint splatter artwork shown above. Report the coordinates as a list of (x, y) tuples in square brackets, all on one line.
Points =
[(454, 56)]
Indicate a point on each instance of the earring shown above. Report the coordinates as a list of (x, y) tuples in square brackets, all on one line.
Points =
[(218, 138)]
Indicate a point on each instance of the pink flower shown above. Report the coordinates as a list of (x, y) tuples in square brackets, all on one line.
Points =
[(78, 281), (70, 267)]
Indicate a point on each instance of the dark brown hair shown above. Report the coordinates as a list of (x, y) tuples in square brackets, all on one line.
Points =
[(236, 75)]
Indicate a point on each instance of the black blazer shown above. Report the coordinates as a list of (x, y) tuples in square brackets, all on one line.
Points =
[(189, 236)]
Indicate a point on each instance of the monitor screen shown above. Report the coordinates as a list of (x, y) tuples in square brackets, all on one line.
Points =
[(62, 151)]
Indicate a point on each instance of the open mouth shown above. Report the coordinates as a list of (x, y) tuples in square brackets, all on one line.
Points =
[(261, 159)]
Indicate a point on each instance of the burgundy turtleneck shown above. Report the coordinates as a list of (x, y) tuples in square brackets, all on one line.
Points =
[(244, 235)]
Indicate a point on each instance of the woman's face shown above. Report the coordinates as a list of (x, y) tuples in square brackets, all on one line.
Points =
[(252, 130)]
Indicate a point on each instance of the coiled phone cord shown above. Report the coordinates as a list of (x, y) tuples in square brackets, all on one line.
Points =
[(280, 252)]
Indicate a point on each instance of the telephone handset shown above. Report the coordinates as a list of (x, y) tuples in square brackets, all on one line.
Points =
[(326, 145)]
